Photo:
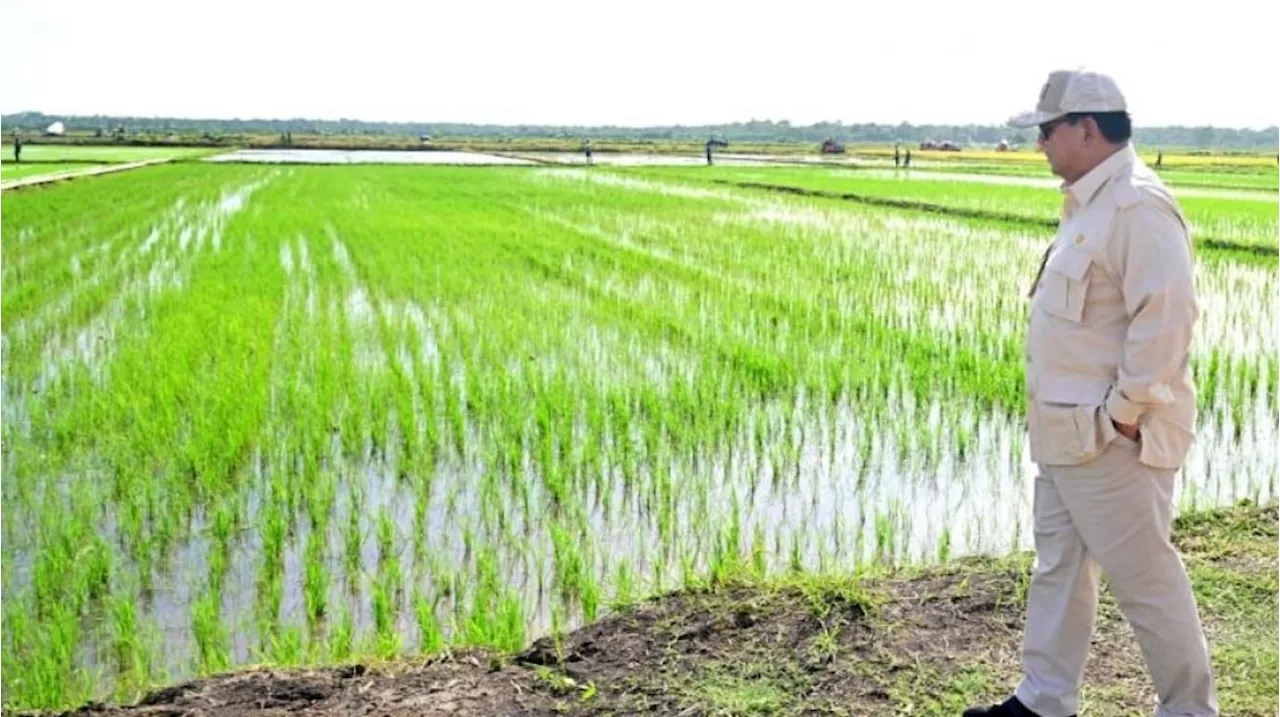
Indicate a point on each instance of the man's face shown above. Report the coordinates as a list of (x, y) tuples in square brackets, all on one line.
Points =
[(1062, 143)]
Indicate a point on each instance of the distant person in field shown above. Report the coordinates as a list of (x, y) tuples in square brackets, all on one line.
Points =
[(17, 148), (708, 153), (586, 149), (907, 160), (897, 156), (1111, 411), (1159, 159)]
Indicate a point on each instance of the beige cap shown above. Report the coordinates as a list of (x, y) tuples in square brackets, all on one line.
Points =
[(1068, 91)]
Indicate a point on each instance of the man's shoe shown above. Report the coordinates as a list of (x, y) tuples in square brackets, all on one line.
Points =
[(1011, 707)]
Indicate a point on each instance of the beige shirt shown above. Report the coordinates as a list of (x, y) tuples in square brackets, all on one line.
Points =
[(1111, 320)]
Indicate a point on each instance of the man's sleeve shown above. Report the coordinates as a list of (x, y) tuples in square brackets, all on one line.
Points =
[(1151, 254)]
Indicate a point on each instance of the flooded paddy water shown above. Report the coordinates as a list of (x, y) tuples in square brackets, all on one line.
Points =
[(363, 156)]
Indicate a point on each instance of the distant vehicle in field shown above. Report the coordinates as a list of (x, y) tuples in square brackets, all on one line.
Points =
[(830, 146), (57, 129), (945, 145), (715, 142), (1003, 146)]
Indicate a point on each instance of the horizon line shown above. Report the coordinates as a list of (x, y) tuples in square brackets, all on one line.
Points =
[(838, 122)]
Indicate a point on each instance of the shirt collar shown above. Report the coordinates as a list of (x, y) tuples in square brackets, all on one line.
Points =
[(1086, 188)]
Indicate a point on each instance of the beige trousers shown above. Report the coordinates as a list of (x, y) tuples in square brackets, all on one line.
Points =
[(1116, 514)]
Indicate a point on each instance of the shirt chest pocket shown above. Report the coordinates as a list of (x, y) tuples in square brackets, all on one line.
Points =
[(1066, 283)]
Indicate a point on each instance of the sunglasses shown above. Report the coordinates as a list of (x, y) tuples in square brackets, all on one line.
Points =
[(1046, 129)]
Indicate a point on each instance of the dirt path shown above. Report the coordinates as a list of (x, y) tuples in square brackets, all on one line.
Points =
[(40, 179), (923, 644)]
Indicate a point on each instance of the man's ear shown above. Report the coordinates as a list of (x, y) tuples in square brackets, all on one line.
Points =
[(1091, 131)]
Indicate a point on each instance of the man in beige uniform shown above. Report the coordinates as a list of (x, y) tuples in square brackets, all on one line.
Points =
[(1111, 410)]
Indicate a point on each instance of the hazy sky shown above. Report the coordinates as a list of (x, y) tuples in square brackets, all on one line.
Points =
[(634, 63)]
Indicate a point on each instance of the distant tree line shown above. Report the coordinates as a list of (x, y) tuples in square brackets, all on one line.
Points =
[(1216, 138)]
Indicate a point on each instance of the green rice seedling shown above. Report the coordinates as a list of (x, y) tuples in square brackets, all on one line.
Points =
[(431, 638), (340, 640), (210, 633), (316, 579), (287, 646)]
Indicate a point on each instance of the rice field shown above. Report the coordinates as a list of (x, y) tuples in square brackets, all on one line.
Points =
[(298, 414), (28, 169), (1029, 156), (97, 154), (1220, 215), (1263, 179)]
